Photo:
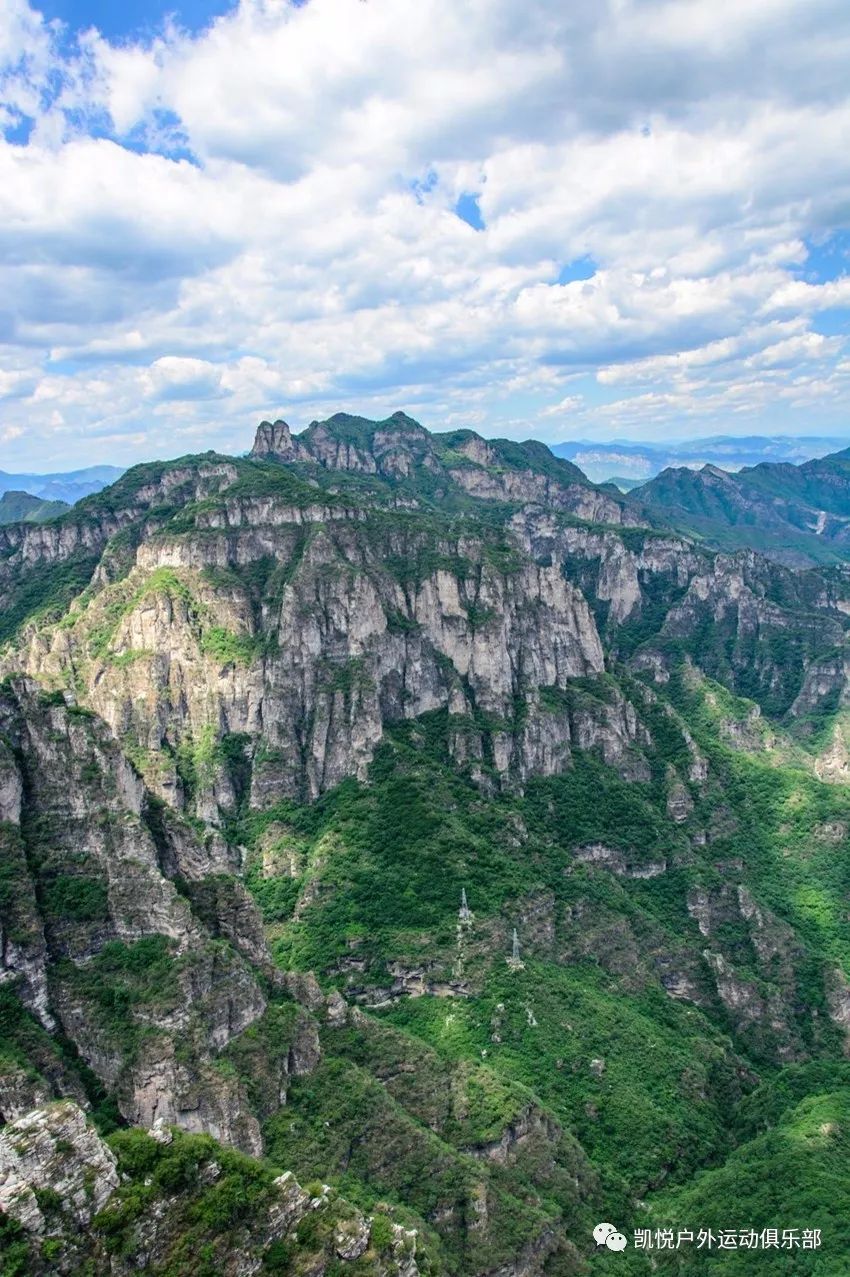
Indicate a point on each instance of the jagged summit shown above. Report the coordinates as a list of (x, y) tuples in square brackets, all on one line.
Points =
[(273, 439), (345, 442), (400, 449)]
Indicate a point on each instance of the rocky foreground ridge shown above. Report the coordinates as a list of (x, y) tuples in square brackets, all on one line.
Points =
[(72, 1206)]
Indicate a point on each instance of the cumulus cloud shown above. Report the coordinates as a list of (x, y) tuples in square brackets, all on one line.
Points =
[(261, 218)]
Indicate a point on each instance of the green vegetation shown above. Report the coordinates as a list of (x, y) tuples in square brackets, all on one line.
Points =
[(671, 1082), (15, 1253), (121, 979), (21, 507), (792, 1177), (76, 898), (241, 1189), (342, 1122), (44, 595), (227, 648)]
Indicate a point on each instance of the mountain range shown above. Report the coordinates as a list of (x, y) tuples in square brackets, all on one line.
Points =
[(414, 854), (68, 487), (621, 461), (797, 514), (636, 462)]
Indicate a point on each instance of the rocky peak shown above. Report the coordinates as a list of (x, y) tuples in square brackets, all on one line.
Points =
[(390, 448), (273, 440), (398, 446)]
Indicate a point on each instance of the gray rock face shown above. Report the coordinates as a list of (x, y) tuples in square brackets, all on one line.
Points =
[(347, 648), (615, 861), (20, 1091), (91, 869), (194, 1096), (11, 788), (73, 769), (53, 1148), (679, 802), (757, 1008), (56, 1174), (273, 440)]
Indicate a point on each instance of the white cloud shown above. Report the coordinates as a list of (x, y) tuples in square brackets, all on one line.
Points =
[(173, 377), (24, 60), (270, 225)]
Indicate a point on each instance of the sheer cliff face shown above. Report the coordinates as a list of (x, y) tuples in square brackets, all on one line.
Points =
[(308, 626), (307, 621), (88, 863)]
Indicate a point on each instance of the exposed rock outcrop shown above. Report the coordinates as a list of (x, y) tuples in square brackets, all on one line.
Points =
[(57, 1174), (53, 1150)]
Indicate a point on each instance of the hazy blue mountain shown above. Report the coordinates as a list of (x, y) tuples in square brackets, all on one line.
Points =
[(642, 461), (69, 486)]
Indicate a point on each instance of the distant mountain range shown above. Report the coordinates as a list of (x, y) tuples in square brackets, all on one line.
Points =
[(794, 514), (633, 462), (70, 486)]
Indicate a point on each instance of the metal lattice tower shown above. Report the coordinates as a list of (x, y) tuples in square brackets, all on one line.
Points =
[(515, 962)]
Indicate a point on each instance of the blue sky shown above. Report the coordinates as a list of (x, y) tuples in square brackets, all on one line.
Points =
[(127, 19), (533, 219)]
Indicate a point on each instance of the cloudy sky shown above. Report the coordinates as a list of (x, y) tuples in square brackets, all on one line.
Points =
[(596, 219)]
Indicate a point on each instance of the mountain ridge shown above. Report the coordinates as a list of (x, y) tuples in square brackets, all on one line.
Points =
[(798, 514)]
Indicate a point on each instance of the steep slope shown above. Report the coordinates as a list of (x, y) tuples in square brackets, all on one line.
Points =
[(296, 744)]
